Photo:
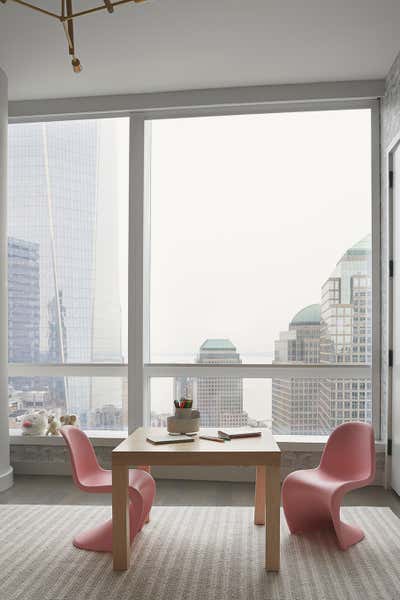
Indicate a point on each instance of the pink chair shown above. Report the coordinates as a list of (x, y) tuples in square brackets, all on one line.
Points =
[(312, 498), (90, 477)]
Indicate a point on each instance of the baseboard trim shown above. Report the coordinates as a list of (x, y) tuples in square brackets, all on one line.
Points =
[(228, 474)]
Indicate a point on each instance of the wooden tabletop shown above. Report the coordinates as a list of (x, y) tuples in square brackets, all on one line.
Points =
[(136, 450)]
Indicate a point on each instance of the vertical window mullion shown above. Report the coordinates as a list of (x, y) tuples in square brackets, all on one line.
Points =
[(137, 339)]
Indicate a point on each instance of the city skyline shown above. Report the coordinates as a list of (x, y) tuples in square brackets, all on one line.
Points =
[(220, 400), (339, 332)]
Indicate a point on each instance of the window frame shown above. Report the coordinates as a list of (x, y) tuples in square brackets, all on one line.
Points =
[(139, 370)]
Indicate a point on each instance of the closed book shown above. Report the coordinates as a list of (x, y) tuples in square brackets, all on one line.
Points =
[(168, 439), (238, 432)]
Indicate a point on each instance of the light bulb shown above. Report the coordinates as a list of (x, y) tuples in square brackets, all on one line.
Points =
[(76, 64)]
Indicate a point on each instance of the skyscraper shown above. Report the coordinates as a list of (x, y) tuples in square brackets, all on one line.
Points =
[(219, 399), (337, 331), (62, 202), (23, 301), (23, 306), (346, 333), (296, 405)]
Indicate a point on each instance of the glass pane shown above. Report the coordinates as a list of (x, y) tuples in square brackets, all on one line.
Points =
[(260, 238), (222, 401), (68, 240), (306, 406), (100, 403), (296, 406)]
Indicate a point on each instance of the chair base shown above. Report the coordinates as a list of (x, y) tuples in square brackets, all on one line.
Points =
[(348, 535), (97, 539)]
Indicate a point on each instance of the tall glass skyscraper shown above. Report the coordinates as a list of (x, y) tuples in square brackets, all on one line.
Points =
[(62, 206), (23, 300), (346, 334), (23, 305)]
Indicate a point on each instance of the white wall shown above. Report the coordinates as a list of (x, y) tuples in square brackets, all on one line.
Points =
[(6, 474)]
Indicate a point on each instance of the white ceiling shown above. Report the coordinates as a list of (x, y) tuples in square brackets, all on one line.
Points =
[(161, 45)]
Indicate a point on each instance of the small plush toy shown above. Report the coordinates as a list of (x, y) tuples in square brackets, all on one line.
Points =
[(52, 426), (34, 423), (69, 420)]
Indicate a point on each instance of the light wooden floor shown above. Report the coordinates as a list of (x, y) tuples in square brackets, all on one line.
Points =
[(38, 489)]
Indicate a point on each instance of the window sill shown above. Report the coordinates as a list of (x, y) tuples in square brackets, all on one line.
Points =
[(98, 438), (107, 438)]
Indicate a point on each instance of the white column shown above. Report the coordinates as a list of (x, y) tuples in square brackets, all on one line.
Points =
[(6, 472)]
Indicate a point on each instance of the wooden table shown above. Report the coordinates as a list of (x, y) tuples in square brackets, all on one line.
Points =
[(262, 452)]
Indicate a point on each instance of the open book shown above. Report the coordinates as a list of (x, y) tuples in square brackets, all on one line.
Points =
[(238, 432)]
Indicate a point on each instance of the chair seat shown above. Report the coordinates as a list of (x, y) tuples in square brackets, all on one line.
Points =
[(100, 482), (322, 481)]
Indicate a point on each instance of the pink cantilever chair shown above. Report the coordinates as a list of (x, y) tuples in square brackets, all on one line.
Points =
[(312, 498), (90, 477)]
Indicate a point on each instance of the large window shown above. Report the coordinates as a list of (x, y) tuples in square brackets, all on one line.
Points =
[(67, 262), (261, 254), (251, 288)]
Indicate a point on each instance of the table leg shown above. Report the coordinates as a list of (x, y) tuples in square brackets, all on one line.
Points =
[(120, 516), (146, 468), (259, 499), (273, 513)]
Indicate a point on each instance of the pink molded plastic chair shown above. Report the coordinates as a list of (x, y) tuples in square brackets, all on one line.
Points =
[(312, 498), (90, 477)]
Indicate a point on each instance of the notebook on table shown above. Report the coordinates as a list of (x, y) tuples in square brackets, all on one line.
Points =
[(238, 432), (168, 439)]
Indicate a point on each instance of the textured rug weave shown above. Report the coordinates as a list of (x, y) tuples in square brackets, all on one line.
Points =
[(194, 553)]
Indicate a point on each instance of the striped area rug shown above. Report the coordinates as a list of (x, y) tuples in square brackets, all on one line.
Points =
[(194, 553)]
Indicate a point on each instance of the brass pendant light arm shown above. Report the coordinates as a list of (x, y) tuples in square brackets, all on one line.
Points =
[(70, 45), (108, 5), (95, 9), (69, 32), (70, 27)]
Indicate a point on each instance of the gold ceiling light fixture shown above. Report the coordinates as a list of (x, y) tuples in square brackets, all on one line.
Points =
[(66, 18)]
